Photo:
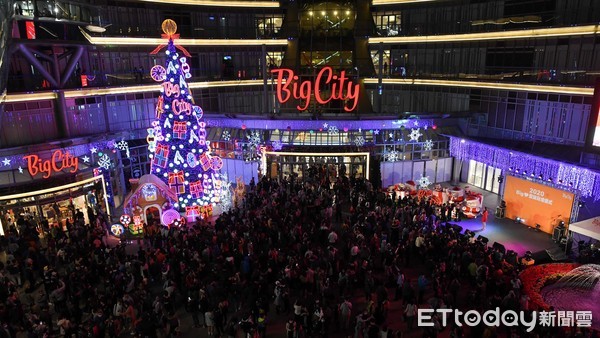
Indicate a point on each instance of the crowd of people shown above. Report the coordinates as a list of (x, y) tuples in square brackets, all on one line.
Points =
[(312, 259)]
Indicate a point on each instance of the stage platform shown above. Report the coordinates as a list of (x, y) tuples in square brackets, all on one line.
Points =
[(514, 236)]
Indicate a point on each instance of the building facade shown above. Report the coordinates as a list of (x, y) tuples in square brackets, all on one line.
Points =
[(282, 75)]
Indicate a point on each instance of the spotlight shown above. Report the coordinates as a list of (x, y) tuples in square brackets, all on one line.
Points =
[(518, 219), (540, 176), (537, 227), (570, 184), (517, 171), (560, 181), (524, 172), (510, 169), (532, 174), (549, 179), (463, 141)]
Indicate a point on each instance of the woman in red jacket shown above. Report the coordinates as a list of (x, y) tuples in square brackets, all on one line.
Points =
[(484, 218)]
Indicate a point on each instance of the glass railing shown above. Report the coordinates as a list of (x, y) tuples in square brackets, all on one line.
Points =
[(545, 76), (59, 10)]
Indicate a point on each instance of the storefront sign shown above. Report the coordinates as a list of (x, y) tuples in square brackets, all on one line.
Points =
[(339, 88), (58, 162)]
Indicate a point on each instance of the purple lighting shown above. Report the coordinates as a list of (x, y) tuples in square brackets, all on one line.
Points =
[(586, 181)]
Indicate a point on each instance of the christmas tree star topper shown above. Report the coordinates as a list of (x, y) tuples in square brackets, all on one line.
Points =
[(169, 27)]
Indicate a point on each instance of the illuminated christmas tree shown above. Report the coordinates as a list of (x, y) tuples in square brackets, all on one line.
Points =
[(180, 153)]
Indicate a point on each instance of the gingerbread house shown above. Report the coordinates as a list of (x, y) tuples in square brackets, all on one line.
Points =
[(149, 197)]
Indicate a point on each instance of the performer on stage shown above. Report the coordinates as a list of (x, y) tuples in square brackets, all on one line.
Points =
[(484, 218)]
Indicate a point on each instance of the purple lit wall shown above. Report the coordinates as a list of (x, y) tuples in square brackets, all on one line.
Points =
[(585, 181), (315, 125)]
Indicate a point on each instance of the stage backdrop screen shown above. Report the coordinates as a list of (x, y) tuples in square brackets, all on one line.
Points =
[(536, 203)]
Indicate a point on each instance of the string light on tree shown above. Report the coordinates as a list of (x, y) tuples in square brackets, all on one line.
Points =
[(181, 155)]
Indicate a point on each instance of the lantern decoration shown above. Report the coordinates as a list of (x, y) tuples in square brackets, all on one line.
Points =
[(178, 141), (117, 229), (125, 219), (176, 182)]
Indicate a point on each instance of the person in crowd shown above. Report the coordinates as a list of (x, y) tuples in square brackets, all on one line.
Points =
[(277, 250)]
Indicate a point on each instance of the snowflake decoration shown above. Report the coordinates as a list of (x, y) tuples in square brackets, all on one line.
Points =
[(423, 182), (392, 156), (428, 145), (415, 134), (277, 145), (333, 130), (359, 141), (104, 162), (122, 145), (225, 135), (254, 138)]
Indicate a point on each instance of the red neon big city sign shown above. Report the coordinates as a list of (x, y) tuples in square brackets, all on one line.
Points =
[(58, 162), (342, 88)]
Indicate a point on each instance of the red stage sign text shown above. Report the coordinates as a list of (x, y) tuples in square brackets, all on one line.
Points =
[(59, 162), (340, 87)]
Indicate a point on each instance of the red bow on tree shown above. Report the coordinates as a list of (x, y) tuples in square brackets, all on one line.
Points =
[(169, 27), (171, 37)]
